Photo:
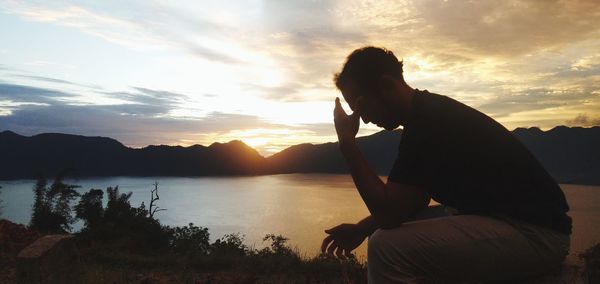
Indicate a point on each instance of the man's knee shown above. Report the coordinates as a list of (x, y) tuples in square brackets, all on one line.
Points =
[(377, 242), (389, 244), (387, 259)]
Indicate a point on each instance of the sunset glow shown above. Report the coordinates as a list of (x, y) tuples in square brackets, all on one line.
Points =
[(189, 72)]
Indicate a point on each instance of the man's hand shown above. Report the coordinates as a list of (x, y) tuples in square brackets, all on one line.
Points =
[(343, 239), (346, 125)]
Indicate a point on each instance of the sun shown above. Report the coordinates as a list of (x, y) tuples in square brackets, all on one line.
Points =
[(255, 142)]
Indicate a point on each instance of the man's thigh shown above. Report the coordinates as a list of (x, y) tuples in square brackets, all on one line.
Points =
[(464, 247)]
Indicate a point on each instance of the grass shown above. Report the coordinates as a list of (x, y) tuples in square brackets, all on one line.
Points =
[(105, 264), (591, 260)]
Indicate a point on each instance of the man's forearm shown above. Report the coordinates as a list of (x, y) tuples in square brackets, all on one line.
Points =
[(369, 185), (368, 225)]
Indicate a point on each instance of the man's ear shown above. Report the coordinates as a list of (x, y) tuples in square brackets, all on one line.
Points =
[(388, 86)]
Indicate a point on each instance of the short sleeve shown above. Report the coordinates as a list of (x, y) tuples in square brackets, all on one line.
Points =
[(413, 162)]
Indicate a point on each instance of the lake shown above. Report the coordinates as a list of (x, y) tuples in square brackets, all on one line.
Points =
[(298, 206)]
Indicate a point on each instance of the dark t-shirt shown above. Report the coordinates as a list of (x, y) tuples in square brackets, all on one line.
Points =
[(468, 161)]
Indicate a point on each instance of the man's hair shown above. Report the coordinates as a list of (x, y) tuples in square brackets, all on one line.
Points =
[(365, 67)]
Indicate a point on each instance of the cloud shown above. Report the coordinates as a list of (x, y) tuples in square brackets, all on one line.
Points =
[(143, 102), (319, 129), (28, 94), (46, 79), (506, 28), (512, 103), (290, 92), (138, 27), (583, 119), (134, 130), (147, 101), (509, 59), (144, 117)]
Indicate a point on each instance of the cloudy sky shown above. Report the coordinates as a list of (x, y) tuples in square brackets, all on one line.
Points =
[(196, 72)]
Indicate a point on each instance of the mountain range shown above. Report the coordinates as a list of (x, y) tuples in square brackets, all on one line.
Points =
[(570, 154)]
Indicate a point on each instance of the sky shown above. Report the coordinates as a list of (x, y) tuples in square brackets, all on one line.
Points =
[(197, 72)]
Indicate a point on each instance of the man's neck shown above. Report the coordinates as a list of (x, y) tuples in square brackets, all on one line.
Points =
[(405, 102)]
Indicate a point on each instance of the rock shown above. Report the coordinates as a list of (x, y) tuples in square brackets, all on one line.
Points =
[(50, 259), (15, 237)]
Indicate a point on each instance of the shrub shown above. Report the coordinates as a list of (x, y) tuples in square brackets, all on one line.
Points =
[(129, 228), (52, 205), (278, 245), (90, 209), (230, 245), (1, 202), (189, 239), (591, 259)]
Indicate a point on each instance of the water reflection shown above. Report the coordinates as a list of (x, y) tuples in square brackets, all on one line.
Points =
[(299, 206)]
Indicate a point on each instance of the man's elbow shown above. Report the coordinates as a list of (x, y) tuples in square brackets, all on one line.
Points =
[(393, 217), (387, 222)]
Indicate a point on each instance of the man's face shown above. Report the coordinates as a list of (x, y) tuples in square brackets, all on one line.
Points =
[(371, 107)]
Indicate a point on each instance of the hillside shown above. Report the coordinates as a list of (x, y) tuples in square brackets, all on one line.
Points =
[(571, 155)]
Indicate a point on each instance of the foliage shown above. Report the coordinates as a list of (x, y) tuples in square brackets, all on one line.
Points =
[(189, 239), (125, 237), (278, 245), (1, 202), (52, 205), (591, 259), (229, 245), (89, 208), (129, 228)]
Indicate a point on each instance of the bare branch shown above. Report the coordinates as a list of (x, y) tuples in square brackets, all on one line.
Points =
[(154, 197)]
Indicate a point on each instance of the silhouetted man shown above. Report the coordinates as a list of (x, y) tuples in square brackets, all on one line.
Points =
[(511, 220)]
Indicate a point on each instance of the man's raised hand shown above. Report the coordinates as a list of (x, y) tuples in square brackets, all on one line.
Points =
[(346, 125)]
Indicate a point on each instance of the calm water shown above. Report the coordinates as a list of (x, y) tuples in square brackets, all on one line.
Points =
[(299, 206)]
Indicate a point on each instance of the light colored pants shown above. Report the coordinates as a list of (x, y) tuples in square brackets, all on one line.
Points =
[(463, 248)]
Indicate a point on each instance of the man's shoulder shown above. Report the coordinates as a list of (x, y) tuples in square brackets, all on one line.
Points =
[(425, 97), (441, 109)]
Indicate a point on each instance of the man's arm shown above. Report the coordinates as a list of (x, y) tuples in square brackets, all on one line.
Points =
[(390, 204)]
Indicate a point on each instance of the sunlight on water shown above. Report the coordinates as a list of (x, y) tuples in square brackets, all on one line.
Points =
[(299, 206)]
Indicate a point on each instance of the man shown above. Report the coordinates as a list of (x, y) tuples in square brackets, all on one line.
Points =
[(511, 220)]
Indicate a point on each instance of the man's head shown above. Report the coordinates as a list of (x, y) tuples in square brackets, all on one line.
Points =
[(371, 82)]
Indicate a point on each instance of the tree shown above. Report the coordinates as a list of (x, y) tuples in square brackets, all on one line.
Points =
[(1, 203), (229, 245), (278, 245), (154, 197), (52, 205), (90, 209), (190, 239), (118, 209)]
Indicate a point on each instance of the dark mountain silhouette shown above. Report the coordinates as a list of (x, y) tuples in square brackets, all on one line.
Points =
[(26, 157), (380, 150), (571, 155)]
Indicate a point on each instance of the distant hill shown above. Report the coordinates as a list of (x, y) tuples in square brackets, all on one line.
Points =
[(26, 157), (571, 155), (380, 150)]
